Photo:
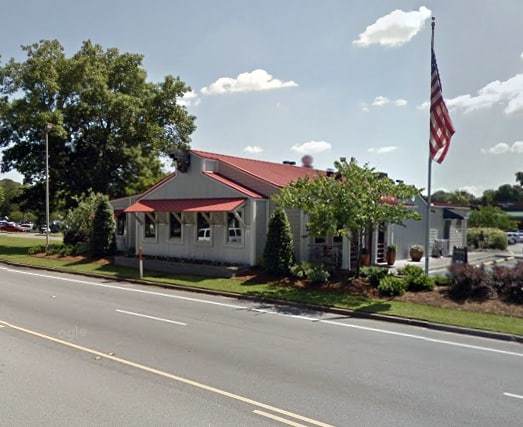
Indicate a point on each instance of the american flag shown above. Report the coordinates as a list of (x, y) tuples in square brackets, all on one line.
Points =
[(441, 129)]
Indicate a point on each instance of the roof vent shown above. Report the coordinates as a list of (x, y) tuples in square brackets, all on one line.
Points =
[(306, 161), (289, 162)]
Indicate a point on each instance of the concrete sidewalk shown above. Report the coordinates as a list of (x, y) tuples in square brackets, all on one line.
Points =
[(440, 265)]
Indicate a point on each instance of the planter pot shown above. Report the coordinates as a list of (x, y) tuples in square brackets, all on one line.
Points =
[(364, 260), (415, 254), (391, 257)]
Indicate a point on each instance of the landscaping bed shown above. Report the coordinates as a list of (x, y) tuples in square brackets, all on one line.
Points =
[(358, 295)]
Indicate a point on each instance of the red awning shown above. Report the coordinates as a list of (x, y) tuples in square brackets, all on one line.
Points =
[(185, 205)]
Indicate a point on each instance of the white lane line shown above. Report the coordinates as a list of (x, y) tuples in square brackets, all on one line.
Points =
[(517, 396), (168, 375), (132, 313), (246, 308), (422, 338), (276, 418), (123, 288)]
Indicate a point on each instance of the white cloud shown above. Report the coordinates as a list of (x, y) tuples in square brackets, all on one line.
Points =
[(383, 150), (521, 56), (254, 81), (472, 189), (502, 148), (424, 106), (381, 101), (253, 149), (365, 109), (311, 147), (189, 98), (508, 92), (394, 29)]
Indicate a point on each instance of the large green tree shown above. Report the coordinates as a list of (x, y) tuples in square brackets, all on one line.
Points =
[(458, 197), (492, 217), (349, 201), (111, 126)]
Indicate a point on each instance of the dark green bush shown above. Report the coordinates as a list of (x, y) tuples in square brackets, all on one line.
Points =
[(416, 280), (315, 273), (392, 286), (374, 274), (103, 229), (440, 280), (278, 254)]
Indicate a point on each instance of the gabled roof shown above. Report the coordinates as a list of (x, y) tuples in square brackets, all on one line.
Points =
[(232, 184), (276, 174)]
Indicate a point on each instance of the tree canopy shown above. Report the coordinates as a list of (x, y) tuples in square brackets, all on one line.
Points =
[(110, 125), (458, 197), (352, 199), (492, 217)]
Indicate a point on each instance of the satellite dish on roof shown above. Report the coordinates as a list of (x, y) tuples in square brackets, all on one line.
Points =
[(306, 161)]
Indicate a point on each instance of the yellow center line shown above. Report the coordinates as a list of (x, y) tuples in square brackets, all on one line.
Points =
[(167, 375), (276, 418)]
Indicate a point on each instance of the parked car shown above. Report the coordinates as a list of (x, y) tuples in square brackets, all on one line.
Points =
[(11, 227), (514, 237), (27, 226)]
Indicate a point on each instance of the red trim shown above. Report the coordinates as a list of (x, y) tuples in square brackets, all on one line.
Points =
[(234, 185), (185, 205)]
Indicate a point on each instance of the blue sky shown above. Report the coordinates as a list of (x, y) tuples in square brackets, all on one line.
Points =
[(351, 98)]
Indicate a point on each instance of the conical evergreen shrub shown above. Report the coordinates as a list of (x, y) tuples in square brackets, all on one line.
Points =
[(103, 229), (278, 256)]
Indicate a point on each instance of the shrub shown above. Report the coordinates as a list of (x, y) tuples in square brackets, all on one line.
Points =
[(78, 221), (316, 273), (103, 229), (391, 286), (412, 270), (374, 274), (467, 281), (440, 280), (33, 250), (509, 282), (416, 280), (487, 238), (278, 256)]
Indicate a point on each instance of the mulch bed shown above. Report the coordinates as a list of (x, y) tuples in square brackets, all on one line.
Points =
[(439, 298)]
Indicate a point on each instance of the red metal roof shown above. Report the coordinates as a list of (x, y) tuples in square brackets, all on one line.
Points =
[(276, 174), (232, 184), (185, 205)]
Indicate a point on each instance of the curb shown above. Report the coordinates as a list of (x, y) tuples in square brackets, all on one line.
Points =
[(346, 312)]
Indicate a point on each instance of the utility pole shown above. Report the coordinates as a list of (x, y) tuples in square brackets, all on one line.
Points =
[(48, 127)]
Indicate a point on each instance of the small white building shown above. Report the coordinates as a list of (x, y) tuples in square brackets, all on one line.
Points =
[(218, 210)]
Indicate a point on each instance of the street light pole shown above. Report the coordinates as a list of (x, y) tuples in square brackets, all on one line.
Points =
[(48, 127)]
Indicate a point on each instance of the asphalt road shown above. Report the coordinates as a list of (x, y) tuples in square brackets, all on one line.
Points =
[(81, 351)]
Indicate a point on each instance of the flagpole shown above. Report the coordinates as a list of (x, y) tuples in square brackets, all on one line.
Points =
[(429, 179)]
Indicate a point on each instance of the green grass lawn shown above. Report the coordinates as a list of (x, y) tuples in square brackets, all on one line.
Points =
[(14, 249)]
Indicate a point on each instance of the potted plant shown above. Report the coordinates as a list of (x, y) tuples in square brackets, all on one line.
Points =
[(416, 252), (364, 257), (391, 255)]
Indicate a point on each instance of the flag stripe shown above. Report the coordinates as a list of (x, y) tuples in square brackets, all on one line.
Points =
[(441, 128)]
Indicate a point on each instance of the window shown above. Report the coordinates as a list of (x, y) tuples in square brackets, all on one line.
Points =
[(203, 228), (120, 224), (337, 239), (234, 227), (319, 240), (175, 225), (149, 227)]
